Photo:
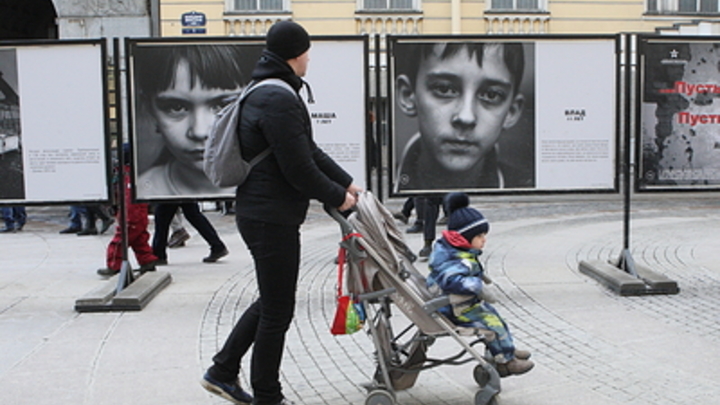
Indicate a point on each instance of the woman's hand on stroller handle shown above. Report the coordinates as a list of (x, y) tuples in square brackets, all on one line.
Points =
[(350, 201), (352, 193)]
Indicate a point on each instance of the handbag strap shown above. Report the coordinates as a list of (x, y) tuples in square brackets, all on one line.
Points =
[(342, 253)]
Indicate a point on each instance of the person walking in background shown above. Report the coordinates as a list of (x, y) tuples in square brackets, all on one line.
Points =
[(270, 207), (92, 213), (179, 234), (76, 224), (14, 217), (164, 214), (406, 211), (430, 212)]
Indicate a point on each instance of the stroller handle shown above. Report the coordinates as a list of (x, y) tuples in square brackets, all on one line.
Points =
[(345, 225), (352, 244)]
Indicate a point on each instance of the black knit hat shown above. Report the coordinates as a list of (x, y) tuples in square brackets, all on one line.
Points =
[(467, 221), (287, 39)]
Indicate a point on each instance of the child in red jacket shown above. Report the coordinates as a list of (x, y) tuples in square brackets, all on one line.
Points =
[(138, 235)]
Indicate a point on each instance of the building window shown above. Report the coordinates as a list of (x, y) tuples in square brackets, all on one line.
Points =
[(516, 5), (389, 5), (683, 6), (258, 5)]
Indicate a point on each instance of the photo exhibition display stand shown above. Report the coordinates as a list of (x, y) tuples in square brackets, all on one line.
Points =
[(625, 276), (59, 118), (128, 292), (566, 140), (561, 133)]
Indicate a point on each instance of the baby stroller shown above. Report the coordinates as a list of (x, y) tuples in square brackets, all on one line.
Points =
[(380, 274)]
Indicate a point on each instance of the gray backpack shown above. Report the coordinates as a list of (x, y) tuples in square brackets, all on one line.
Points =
[(222, 160)]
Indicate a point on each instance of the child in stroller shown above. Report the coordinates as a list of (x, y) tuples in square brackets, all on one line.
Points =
[(456, 271), (380, 274)]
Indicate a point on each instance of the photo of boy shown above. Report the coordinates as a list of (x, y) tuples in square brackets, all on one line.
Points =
[(462, 96), (179, 89)]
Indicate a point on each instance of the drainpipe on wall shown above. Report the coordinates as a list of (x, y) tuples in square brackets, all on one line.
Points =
[(455, 16), (154, 18)]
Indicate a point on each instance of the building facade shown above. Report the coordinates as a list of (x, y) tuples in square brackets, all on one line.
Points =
[(104, 18), (440, 17)]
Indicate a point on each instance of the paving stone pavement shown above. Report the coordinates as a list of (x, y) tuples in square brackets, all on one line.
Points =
[(590, 346)]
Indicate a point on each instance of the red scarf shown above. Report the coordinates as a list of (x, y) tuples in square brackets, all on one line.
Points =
[(456, 239)]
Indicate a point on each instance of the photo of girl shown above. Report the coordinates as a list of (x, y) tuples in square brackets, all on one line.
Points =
[(179, 88)]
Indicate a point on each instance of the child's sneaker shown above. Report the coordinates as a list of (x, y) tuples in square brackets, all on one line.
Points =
[(522, 354), (230, 391), (514, 367)]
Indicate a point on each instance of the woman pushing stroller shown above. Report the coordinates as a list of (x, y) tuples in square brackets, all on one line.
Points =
[(455, 269)]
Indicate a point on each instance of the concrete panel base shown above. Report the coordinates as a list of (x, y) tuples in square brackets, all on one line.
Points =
[(623, 283), (134, 297)]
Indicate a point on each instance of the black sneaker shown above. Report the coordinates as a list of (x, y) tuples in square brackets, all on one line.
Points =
[(400, 216), (215, 256), (148, 266), (424, 253), (89, 231), (230, 391), (106, 224), (417, 227), (107, 272), (178, 238), (71, 230)]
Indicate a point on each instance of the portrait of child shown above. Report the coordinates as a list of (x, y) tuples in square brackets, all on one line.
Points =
[(462, 98), (179, 89)]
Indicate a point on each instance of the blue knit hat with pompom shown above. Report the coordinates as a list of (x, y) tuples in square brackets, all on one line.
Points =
[(463, 219)]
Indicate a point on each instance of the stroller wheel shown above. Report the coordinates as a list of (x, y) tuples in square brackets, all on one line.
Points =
[(481, 400), (380, 397), (481, 375)]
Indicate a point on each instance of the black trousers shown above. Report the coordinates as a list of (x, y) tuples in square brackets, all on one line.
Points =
[(428, 208), (276, 252), (191, 211)]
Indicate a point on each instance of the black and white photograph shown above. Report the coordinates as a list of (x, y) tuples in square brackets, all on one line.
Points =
[(680, 142), (505, 115), (463, 115), (178, 88), (12, 185), (55, 132)]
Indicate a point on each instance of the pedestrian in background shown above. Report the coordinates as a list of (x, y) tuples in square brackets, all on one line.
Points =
[(137, 224), (14, 217)]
